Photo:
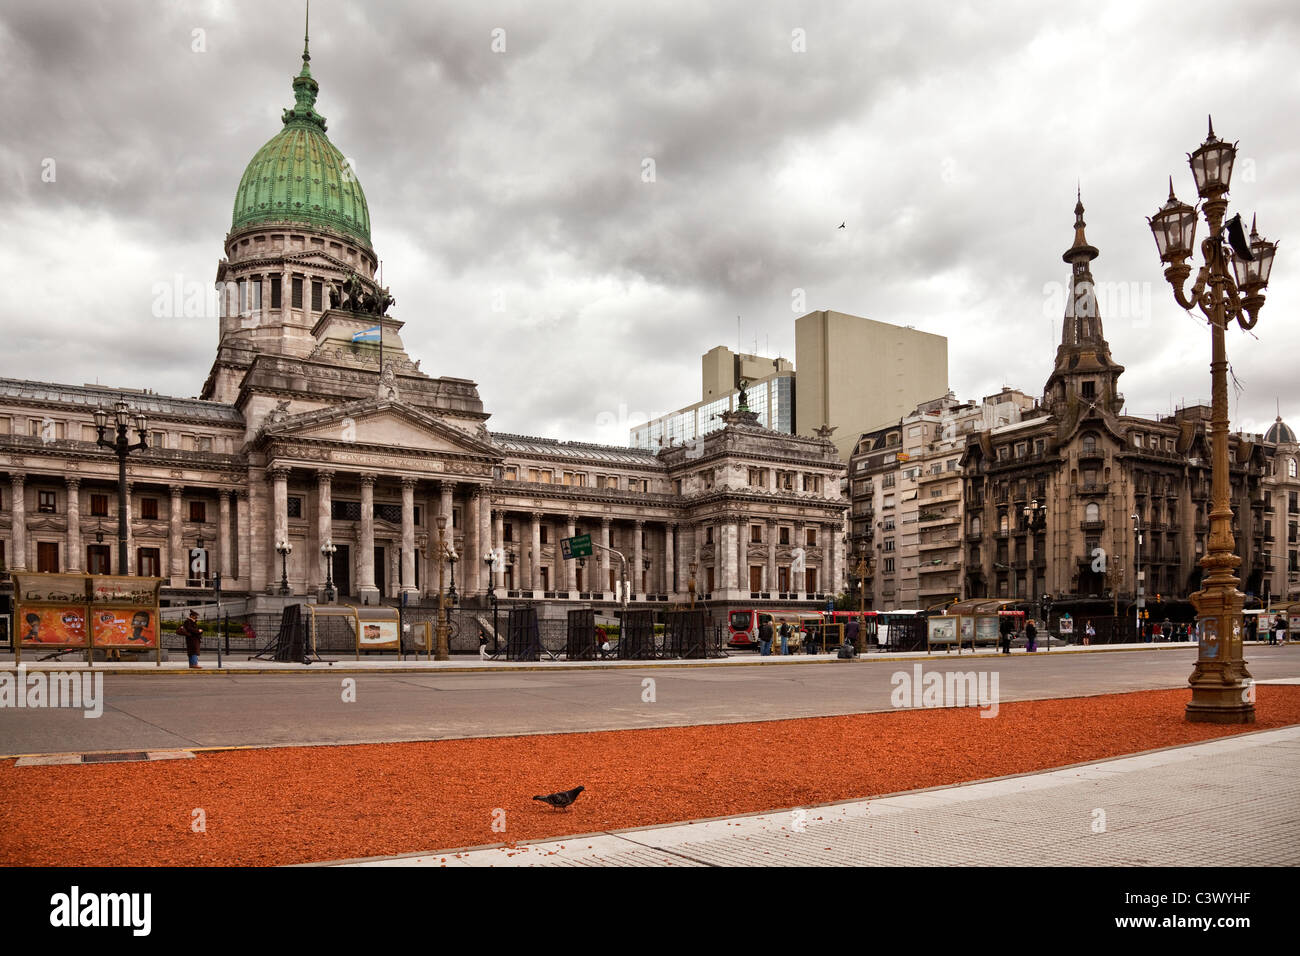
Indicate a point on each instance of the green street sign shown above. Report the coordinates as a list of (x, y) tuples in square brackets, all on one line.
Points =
[(578, 546)]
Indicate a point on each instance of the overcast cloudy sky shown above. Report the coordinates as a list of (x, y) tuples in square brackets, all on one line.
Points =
[(526, 251)]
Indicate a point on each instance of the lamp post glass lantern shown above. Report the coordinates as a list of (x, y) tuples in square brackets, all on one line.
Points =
[(328, 550), (490, 559), (284, 549), (1229, 287), (442, 651), (122, 446)]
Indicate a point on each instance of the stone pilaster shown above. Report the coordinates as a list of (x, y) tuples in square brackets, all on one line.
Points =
[(175, 549), (324, 525), (535, 565), (604, 556), (226, 565)]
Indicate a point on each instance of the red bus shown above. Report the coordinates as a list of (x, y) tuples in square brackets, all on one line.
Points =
[(742, 625)]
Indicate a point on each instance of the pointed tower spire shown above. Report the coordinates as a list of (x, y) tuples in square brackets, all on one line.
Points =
[(1084, 369), (305, 87)]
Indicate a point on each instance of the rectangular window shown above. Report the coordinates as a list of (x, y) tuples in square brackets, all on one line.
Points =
[(316, 290), (47, 557), (45, 502), (546, 534), (784, 539), (98, 558), (148, 562), (812, 538), (345, 510), (708, 538), (205, 443), (149, 508), (889, 565), (508, 531), (512, 473), (199, 511), (297, 293), (275, 292), (99, 507), (158, 440), (756, 532), (1088, 390), (295, 507)]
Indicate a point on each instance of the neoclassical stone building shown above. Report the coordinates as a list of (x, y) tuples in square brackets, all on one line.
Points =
[(306, 431)]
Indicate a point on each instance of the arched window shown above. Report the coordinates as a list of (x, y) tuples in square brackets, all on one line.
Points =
[(975, 525), (1290, 468), (1092, 512), (1002, 522), (1090, 444)]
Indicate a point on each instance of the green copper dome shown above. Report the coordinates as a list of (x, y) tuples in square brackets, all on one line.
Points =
[(299, 176)]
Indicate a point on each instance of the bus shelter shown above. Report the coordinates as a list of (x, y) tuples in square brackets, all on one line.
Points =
[(85, 611)]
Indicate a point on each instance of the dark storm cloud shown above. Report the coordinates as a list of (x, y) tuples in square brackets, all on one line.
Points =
[(527, 252)]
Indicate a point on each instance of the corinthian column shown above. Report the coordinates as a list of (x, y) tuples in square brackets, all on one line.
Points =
[(408, 538), (324, 523), (18, 560), (74, 525), (366, 559), (175, 554)]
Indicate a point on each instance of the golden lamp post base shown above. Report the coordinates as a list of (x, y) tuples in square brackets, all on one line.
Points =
[(1223, 691)]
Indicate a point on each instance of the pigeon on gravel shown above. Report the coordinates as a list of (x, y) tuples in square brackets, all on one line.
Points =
[(561, 799)]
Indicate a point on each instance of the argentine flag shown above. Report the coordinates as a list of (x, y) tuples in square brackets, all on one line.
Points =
[(367, 335)]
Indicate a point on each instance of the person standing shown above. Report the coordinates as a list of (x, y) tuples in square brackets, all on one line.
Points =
[(1089, 633), (192, 631), (765, 638), (1278, 634), (851, 634), (1031, 637), (1006, 629), (784, 630)]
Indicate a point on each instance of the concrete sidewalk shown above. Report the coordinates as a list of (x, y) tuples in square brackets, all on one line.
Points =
[(345, 663), (1229, 802)]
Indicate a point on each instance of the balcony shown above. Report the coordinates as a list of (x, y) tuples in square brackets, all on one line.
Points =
[(1092, 525), (1095, 488), (953, 542), (975, 537)]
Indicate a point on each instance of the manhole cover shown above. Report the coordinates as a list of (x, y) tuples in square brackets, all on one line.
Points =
[(111, 758)]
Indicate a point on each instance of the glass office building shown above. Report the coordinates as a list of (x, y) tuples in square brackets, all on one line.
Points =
[(772, 398)]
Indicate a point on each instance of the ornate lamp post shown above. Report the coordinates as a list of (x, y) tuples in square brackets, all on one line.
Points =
[(327, 550), (1229, 287), (442, 651), (1139, 588), (645, 568), (490, 559), (452, 558), (1035, 521), (123, 446), (284, 549)]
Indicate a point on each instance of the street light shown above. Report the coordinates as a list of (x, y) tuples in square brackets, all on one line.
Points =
[(452, 558), (1229, 286), (1139, 590), (122, 446), (327, 550), (442, 650), (490, 559), (284, 549), (1035, 521)]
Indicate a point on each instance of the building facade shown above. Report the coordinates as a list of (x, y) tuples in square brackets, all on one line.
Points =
[(307, 433)]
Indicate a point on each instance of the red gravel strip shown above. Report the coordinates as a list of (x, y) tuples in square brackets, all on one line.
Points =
[(302, 804)]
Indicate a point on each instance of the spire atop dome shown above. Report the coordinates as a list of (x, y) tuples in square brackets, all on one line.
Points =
[(1081, 251), (305, 87)]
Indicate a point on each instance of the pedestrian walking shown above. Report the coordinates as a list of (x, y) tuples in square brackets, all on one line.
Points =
[(765, 638), (1089, 633), (1278, 634), (192, 631), (851, 634), (1031, 638), (1007, 628)]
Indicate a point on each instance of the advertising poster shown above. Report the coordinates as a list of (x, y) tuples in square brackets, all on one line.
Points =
[(943, 630), (986, 628), (379, 634), (967, 629), (55, 626), (124, 627)]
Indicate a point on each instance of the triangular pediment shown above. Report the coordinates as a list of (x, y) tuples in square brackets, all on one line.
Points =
[(380, 423)]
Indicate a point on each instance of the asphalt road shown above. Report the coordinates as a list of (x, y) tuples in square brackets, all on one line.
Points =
[(157, 712)]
